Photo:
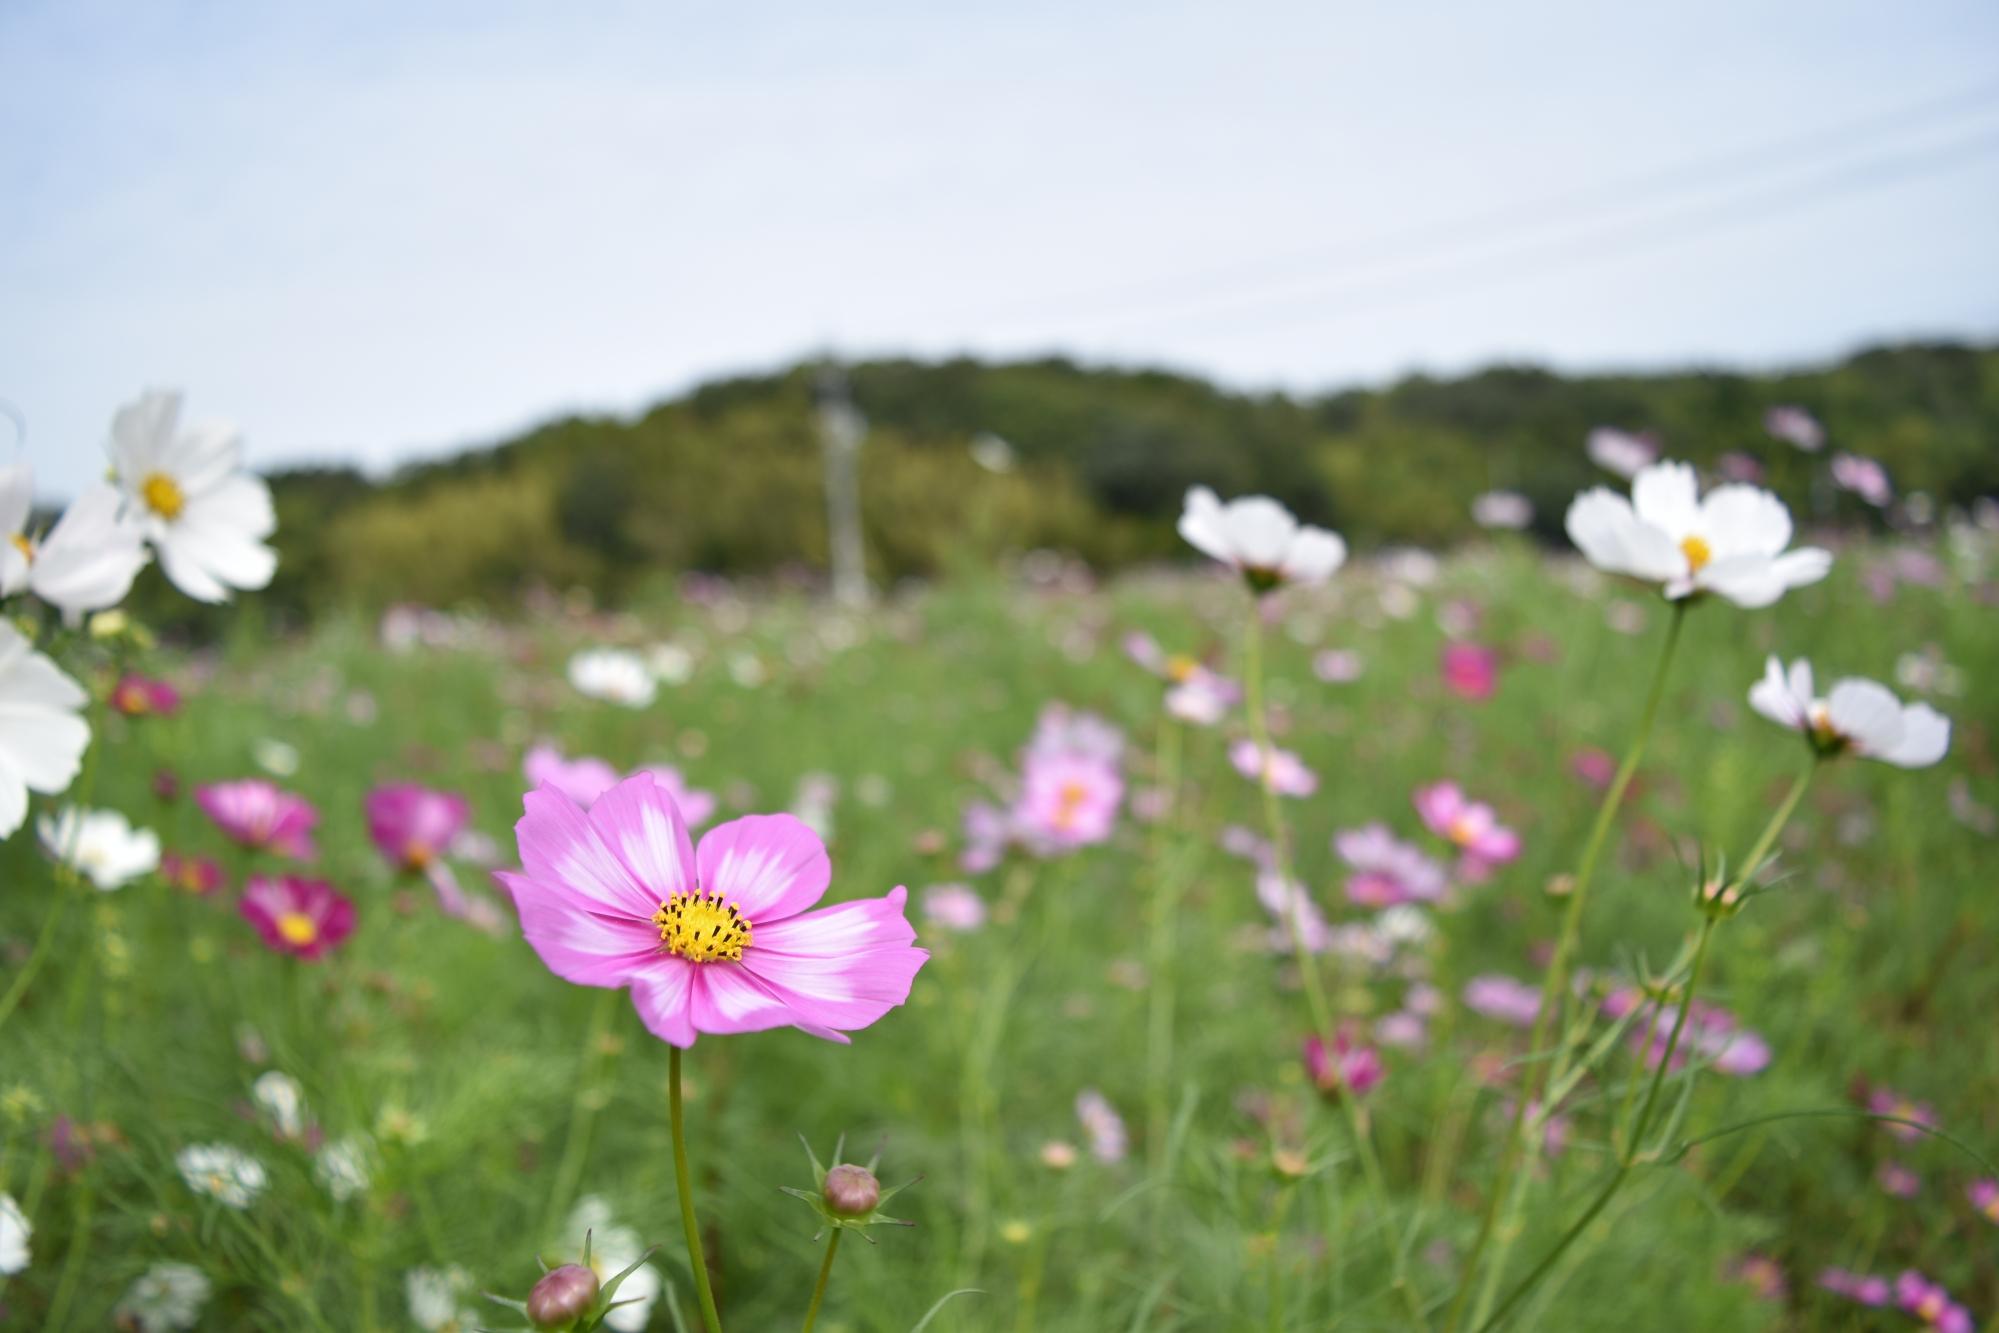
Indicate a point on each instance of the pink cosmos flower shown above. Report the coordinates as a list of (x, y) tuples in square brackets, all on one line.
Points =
[(1387, 871), (1470, 671), (1711, 1032), (1984, 1196), (1288, 902), (1284, 771), (714, 939), (306, 918), (1887, 1101), (261, 815), (582, 779), (1337, 666), (1248, 844), (1929, 1302), (1763, 1275), (1348, 1068), (1738, 466), (1198, 695), (1794, 425), (413, 825), (1102, 1126), (1898, 1180), (987, 833), (1469, 825), (954, 907), (1596, 767), (144, 696), (1621, 451), (199, 875), (1502, 997), (1068, 731), (1863, 477), (1067, 800), (1857, 1287)]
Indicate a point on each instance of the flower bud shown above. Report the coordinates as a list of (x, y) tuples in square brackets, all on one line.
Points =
[(852, 1191), (563, 1296)]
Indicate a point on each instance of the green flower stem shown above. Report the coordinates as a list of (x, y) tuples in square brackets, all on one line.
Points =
[(69, 884), (819, 1287), (710, 1320), (1554, 986), (1160, 972), (1629, 1156), (1308, 971)]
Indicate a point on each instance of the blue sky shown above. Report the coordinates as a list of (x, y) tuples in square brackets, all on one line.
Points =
[(367, 234)]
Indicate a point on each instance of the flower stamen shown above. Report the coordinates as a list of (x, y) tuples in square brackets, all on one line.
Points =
[(298, 929), (1697, 551), (23, 545), (702, 928), (163, 495)]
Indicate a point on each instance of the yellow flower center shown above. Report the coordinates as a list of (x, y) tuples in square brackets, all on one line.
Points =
[(163, 496), (702, 928), (1461, 832), (23, 545), (1180, 668), (417, 856), (1697, 552), (296, 928), (1069, 803)]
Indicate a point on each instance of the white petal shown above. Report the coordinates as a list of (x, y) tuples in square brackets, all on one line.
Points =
[(1747, 580), (17, 499), (13, 799), (140, 434), (1867, 714), (203, 455), (1925, 738), (1599, 522), (1314, 556), (1201, 525), (1772, 696), (1666, 496), (1807, 564), (1259, 530), (91, 555), (1744, 520), (1801, 684)]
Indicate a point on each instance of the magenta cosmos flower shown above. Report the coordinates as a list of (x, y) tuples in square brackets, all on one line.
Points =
[(261, 815), (1470, 671), (1386, 870), (143, 696), (1348, 1068), (1284, 771), (412, 825), (1984, 1196), (1861, 1288), (712, 939), (1929, 1302), (1470, 826), (306, 918)]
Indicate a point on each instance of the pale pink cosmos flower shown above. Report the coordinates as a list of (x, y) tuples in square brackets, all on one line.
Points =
[(306, 918), (1337, 666), (1887, 1101), (413, 825), (1898, 1180), (1248, 844), (1347, 1068), (1470, 826), (715, 939), (1386, 870), (697, 806), (1070, 731), (1984, 1196), (954, 907), (582, 779), (1289, 904), (1796, 426), (1067, 800), (1860, 1288), (1102, 1126), (261, 815), (1621, 451), (988, 831), (1929, 1302), (1863, 477), (1710, 1032), (1470, 671), (1283, 771), (1503, 998), (1204, 700)]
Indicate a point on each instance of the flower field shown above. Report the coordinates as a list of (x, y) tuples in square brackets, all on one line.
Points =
[(1293, 941)]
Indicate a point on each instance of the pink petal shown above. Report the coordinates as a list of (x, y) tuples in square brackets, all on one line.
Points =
[(560, 848), (770, 866), (727, 998), (576, 943), (662, 996), (843, 966), (643, 826)]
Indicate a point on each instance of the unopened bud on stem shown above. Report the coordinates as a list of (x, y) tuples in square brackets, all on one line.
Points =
[(852, 1191), (563, 1296)]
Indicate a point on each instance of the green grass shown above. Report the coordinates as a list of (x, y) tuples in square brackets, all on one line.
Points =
[(468, 1062)]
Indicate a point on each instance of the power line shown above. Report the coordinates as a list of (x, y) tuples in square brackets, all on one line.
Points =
[(1494, 224)]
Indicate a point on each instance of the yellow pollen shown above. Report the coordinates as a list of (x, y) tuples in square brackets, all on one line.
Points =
[(163, 496), (1461, 831), (702, 928), (23, 545), (1697, 552), (1069, 803), (417, 856), (1180, 668), (297, 928)]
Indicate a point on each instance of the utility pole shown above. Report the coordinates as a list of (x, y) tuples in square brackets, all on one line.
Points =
[(841, 430)]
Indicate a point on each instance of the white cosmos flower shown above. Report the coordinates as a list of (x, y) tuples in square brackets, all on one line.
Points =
[(205, 515), (1731, 543), (14, 1235), (100, 845), (42, 738), (613, 1249), (1257, 537), (282, 1099), (613, 675), (85, 562), (436, 1299), (1858, 716), (221, 1172), (167, 1298), (342, 1167)]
